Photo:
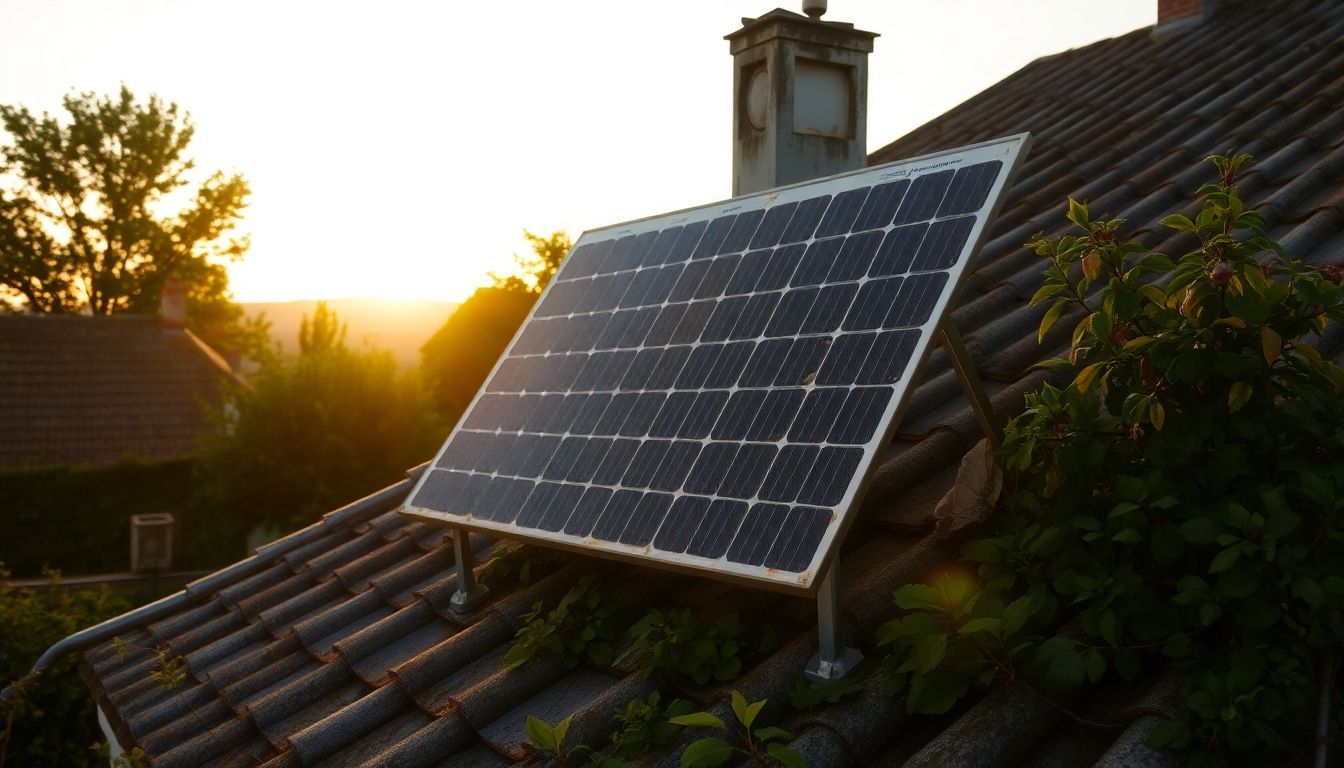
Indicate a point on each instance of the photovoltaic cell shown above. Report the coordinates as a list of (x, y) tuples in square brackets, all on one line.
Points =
[(707, 390)]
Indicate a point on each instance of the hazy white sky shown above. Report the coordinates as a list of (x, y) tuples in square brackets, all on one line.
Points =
[(397, 149)]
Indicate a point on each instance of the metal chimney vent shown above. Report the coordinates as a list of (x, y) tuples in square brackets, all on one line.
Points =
[(151, 542)]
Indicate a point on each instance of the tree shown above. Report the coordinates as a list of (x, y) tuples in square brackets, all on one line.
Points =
[(534, 272), (100, 212), (458, 357), (314, 431)]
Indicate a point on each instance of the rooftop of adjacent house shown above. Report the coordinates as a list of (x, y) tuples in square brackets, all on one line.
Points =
[(93, 391), (337, 646)]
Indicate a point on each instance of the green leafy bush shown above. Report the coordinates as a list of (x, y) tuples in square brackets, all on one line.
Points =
[(582, 626), (1180, 499), (53, 721), (646, 725), (761, 746), (519, 565), (674, 645)]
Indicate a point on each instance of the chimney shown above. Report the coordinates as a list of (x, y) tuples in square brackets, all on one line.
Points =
[(800, 98), (173, 304), (1175, 15)]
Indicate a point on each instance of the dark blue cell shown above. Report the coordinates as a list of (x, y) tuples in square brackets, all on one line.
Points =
[(757, 533), (805, 219), (830, 477), (796, 546), (926, 193), (710, 468), (773, 225), (914, 304), (839, 218), (645, 519), (787, 474), (943, 244), (880, 207), (681, 522), (717, 528), (889, 358), (587, 511), (970, 188)]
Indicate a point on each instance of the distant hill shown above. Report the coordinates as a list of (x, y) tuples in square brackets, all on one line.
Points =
[(400, 327)]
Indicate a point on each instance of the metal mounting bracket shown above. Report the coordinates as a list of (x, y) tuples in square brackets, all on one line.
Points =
[(970, 381), (833, 659), (469, 594)]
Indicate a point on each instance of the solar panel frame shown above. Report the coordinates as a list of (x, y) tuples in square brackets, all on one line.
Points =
[(700, 234)]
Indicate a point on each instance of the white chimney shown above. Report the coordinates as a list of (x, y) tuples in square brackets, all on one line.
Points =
[(800, 106)]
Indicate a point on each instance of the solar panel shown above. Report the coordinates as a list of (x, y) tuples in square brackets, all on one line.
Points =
[(707, 390)]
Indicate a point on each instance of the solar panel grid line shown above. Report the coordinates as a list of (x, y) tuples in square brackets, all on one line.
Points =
[(721, 414)]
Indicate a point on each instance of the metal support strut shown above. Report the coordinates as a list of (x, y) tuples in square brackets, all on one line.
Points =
[(970, 382), (469, 594), (833, 659)]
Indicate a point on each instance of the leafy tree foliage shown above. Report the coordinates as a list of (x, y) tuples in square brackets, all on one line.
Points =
[(458, 357), (100, 213), (314, 431), (53, 721), (532, 273), (1177, 504)]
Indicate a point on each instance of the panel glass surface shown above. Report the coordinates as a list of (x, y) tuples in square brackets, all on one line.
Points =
[(708, 389)]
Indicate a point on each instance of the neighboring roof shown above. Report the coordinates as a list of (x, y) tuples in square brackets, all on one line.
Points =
[(93, 391), (342, 651)]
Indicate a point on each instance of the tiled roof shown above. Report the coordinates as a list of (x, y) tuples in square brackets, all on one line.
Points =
[(343, 651), (93, 391)]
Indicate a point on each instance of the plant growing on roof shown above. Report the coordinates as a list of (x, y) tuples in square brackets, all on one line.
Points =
[(518, 564), (582, 626), (762, 746), (675, 645), (645, 725), (1178, 498)]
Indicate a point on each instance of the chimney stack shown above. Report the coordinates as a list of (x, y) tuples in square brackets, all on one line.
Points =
[(800, 98), (1175, 15), (173, 304)]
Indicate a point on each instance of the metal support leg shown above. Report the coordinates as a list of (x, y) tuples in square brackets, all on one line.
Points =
[(834, 659), (970, 382), (469, 594)]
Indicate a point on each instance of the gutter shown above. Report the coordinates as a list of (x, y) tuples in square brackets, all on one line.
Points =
[(265, 556)]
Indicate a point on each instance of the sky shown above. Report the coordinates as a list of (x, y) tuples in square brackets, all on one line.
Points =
[(398, 149)]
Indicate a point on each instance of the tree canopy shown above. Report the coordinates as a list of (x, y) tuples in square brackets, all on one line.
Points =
[(458, 357), (314, 431), (98, 209)]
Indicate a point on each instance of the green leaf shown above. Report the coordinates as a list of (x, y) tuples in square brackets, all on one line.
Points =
[(703, 719), (1200, 530), (1271, 344), (753, 710), (740, 708), (1016, 614), (1225, 559), (706, 753), (1078, 213), (1179, 221), (1170, 734), (1238, 396), (771, 733), (1127, 536), (1095, 665), (1083, 381), (1308, 591), (936, 693), (928, 653), (988, 624), (541, 735), (1051, 315), (918, 596), (785, 756)]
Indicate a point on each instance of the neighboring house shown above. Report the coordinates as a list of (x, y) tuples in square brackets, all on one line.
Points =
[(335, 646), (88, 407)]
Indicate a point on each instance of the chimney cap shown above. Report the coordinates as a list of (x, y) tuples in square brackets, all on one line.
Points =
[(794, 26), (814, 9)]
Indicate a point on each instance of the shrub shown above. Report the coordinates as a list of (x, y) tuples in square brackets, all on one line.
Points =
[(1179, 498)]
